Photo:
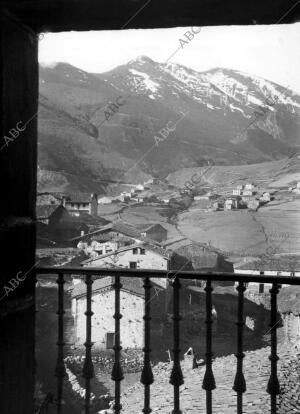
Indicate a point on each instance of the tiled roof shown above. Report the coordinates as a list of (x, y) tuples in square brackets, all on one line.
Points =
[(57, 195), (79, 198), (133, 285), (146, 246), (203, 257), (118, 227), (46, 210), (148, 226), (284, 263)]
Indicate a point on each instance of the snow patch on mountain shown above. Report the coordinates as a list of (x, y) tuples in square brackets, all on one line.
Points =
[(149, 84)]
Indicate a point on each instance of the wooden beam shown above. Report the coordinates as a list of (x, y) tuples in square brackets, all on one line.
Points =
[(84, 15)]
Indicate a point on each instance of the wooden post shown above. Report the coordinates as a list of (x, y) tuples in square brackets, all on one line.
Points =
[(18, 166)]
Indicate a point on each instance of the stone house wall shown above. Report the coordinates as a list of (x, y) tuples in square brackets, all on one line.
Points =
[(103, 306), (292, 328)]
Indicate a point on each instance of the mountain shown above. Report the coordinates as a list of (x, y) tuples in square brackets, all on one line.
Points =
[(97, 129)]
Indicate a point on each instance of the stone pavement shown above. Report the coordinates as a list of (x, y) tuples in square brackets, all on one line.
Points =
[(256, 400)]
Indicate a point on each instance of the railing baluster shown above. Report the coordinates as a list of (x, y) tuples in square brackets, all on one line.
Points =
[(147, 375), (239, 382), (176, 375), (209, 383), (273, 387), (60, 370), (88, 368), (117, 373)]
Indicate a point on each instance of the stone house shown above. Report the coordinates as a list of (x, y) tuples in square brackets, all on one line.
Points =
[(153, 231), (103, 302), (118, 231), (96, 248), (286, 265), (104, 200), (253, 204), (135, 256), (247, 192), (236, 191), (250, 186), (231, 203), (51, 214), (289, 307), (266, 197), (55, 223), (139, 187), (80, 203), (217, 205)]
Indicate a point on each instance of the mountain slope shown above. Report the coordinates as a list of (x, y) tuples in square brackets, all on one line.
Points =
[(90, 139)]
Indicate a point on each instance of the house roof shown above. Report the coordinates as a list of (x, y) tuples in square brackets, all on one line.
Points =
[(46, 210), (146, 246), (174, 241), (59, 196), (79, 198), (129, 284), (148, 226), (203, 257), (283, 263), (117, 227)]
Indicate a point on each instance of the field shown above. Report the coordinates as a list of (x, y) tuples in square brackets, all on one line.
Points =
[(244, 233), (150, 214)]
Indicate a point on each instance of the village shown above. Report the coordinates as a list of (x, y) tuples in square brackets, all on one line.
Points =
[(73, 232)]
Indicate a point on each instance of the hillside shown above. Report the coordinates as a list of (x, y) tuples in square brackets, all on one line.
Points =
[(85, 144)]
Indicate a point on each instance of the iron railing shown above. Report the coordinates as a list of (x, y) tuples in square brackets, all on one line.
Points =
[(176, 379)]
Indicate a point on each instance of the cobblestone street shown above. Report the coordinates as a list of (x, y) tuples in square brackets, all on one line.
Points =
[(256, 399)]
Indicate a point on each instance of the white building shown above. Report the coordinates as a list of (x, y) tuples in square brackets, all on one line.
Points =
[(203, 197), (103, 306), (266, 197), (249, 186), (104, 200), (236, 191), (96, 248), (247, 192), (135, 256), (284, 265), (139, 187)]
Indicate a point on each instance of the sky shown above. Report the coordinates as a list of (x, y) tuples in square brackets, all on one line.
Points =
[(271, 52)]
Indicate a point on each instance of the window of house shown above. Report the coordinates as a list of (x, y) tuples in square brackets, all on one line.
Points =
[(132, 265), (109, 340), (143, 251), (135, 250)]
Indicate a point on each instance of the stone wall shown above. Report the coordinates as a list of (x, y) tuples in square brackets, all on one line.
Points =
[(103, 306), (292, 328)]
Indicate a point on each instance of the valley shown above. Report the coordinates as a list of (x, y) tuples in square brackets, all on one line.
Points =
[(82, 149)]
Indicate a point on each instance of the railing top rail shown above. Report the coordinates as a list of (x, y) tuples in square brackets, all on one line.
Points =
[(170, 274)]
